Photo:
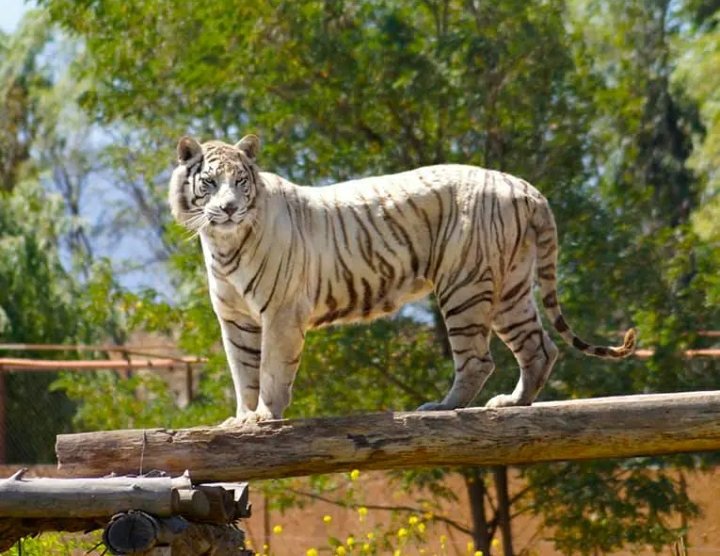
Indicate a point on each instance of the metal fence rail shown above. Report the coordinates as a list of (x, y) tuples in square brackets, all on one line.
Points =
[(36, 406)]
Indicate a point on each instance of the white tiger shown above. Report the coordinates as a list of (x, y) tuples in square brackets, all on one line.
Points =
[(282, 259)]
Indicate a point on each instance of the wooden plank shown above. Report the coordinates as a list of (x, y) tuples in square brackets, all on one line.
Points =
[(623, 426), (125, 348)]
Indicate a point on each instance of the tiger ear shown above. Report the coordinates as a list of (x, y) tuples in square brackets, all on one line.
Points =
[(250, 145), (188, 149)]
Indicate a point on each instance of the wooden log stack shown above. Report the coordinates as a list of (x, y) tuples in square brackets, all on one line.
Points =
[(137, 512)]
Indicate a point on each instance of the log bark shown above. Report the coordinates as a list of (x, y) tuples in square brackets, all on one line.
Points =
[(64, 498), (89, 498), (613, 427)]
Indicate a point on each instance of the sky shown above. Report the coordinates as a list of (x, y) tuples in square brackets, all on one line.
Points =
[(123, 251), (10, 14)]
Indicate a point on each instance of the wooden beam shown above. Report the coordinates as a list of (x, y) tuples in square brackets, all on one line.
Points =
[(622, 426), (45, 365), (65, 498), (710, 353), (89, 498)]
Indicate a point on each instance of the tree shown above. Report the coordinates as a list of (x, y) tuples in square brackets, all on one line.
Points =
[(578, 101), (40, 296)]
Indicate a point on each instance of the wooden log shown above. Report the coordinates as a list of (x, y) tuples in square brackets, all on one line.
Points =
[(89, 498), (142, 534), (64, 498), (613, 427), (135, 531)]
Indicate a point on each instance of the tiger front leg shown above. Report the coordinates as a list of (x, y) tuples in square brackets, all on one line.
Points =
[(282, 344), (242, 342)]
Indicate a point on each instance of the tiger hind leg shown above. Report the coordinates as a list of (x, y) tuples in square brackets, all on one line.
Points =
[(521, 330), (469, 336)]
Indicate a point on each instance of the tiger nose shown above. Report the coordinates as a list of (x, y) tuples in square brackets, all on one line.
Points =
[(229, 208)]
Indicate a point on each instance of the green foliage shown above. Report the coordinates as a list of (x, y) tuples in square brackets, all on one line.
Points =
[(41, 300), (35, 306), (56, 544), (608, 107), (602, 506), (389, 365)]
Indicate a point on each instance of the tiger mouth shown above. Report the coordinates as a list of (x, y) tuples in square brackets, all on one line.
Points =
[(225, 224)]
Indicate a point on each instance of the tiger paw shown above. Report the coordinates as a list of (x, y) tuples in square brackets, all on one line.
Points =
[(502, 400), (263, 414), (232, 422)]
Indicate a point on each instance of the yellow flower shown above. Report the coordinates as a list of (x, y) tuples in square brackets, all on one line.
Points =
[(370, 536), (402, 533), (470, 547), (354, 474), (340, 551), (350, 540), (478, 553), (397, 552), (428, 515), (311, 552), (495, 543), (277, 529), (421, 528), (413, 520), (366, 547), (327, 518), (362, 512)]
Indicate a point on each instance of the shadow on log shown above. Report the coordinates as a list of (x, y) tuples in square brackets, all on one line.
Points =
[(623, 426)]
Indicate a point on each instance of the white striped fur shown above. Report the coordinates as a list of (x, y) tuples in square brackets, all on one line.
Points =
[(282, 259)]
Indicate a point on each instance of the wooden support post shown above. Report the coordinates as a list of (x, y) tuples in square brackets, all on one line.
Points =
[(188, 384), (623, 426), (3, 418)]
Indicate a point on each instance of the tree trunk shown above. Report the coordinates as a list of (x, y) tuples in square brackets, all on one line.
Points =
[(475, 483), (503, 509)]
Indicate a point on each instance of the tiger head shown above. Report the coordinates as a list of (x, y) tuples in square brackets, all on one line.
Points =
[(215, 185)]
